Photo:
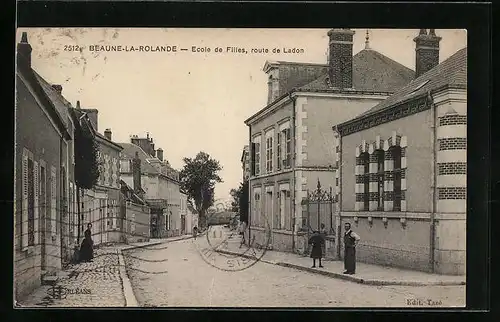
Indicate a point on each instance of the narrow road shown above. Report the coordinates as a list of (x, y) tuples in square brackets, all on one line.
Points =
[(176, 274)]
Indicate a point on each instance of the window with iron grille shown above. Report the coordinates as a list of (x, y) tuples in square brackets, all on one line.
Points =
[(380, 179), (396, 155), (366, 180)]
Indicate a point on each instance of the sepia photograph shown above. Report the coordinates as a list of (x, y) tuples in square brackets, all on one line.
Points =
[(240, 167)]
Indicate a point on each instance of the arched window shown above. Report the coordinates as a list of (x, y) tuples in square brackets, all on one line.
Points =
[(380, 179), (396, 155), (365, 157)]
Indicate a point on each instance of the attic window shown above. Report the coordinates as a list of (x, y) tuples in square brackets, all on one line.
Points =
[(420, 86)]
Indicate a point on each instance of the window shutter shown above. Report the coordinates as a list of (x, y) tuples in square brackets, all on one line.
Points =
[(36, 183), (53, 201), (252, 153), (24, 209)]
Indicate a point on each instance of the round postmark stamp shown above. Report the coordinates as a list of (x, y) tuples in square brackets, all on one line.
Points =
[(223, 247)]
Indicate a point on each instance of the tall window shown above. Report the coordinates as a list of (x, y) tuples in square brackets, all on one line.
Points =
[(396, 155), (279, 147), (380, 179), (255, 158), (269, 154), (366, 180), (256, 209), (288, 148)]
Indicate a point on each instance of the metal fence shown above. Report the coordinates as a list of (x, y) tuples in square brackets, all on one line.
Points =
[(319, 209)]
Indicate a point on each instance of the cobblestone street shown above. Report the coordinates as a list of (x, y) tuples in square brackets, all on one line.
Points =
[(97, 283), (176, 274)]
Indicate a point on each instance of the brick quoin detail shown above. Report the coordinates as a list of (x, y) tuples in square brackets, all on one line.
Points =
[(452, 120), (360, 179), (452, 144), (452, 168), (452, 193)]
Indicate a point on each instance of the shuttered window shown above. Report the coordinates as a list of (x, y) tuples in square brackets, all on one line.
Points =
[(36, 190), (25, 195), (53, 201)]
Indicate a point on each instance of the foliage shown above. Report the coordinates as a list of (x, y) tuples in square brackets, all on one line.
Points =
[(86, 161), (198, 178), (243, 202)]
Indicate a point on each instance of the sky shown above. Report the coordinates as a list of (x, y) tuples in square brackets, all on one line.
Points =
[(191, 101)]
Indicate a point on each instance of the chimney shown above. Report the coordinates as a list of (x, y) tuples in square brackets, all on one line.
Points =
[(340, 57), (107, 134), (24, 51), (78, 104), (426, 51), (159, 154), (57, 88), (136, 172)]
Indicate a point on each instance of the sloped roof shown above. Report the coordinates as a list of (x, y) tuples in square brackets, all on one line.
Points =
[(135, 198), (60, 103), (129, 149), (372, 71), (451, 72)]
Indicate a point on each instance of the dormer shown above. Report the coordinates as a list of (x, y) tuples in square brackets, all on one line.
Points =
[(272, 71)]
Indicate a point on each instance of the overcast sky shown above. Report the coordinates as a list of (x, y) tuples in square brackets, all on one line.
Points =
[(191, 102)]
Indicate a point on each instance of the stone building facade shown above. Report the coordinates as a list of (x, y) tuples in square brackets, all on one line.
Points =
[(160, 183), (100, 205), (290, 139), (43, 171), (402, 179)]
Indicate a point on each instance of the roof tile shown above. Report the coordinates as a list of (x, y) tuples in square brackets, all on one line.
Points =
[(451, 72)]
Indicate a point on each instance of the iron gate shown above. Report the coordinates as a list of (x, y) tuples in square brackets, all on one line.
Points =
[(319, 207)]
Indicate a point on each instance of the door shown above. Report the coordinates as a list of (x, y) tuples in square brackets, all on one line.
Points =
[(183, 224)]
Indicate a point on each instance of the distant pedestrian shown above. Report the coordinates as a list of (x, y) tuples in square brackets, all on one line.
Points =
[(195, 232), (351, 239), (243, 229), (317, 240), (87, 247)]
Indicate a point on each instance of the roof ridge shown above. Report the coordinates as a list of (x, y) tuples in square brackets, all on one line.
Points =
[(385, 57)]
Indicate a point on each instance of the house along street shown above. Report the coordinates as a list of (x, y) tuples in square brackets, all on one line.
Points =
[(187, 274)]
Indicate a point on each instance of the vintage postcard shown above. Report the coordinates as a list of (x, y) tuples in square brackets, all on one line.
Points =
[(183, 167)]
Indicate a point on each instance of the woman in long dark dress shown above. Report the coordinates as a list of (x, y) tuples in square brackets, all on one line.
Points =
[(87, 248), (316, 240)]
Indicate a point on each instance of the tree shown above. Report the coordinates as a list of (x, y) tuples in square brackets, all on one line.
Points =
[(198, 178), (243, 202), (239, 203), (86, 161)]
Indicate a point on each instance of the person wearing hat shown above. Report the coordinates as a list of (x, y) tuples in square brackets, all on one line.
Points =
[(351, 239)]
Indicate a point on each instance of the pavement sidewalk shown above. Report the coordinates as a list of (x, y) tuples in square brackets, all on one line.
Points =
[(100, 283), (365, 273)]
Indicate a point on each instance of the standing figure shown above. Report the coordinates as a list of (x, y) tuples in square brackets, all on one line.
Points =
[(87, 248), (317, 240), (195, 232), (350, 241), (243, 229)]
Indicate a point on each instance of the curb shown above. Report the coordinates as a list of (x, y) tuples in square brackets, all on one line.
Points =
[(351, 278), (155, 244), (128, 291)]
